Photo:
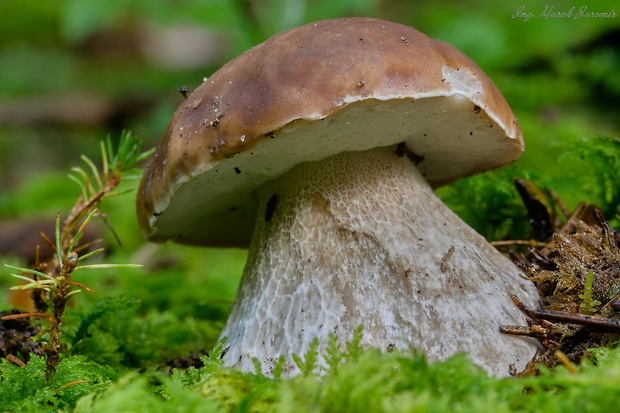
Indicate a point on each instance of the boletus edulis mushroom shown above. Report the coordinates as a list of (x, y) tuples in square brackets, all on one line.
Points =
[(319, 149)]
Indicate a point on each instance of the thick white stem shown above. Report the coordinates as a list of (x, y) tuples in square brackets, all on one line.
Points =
[(360, 238)]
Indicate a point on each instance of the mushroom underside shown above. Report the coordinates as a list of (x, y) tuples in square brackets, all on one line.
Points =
[(361, 239), (450, 135)]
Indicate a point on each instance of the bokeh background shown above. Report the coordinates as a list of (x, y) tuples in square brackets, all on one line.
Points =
[(74, 71)]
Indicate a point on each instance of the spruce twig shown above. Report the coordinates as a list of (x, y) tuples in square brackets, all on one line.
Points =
[(51, 281)]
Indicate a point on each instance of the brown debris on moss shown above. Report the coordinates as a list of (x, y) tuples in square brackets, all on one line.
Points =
[(578, 275)]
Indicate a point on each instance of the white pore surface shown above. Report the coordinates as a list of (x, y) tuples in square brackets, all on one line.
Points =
[(360, 238), (451, 138)]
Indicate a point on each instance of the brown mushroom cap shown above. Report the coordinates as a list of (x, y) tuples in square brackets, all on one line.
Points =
[(309, 93)]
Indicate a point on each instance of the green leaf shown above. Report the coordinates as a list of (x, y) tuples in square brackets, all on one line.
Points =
[(80, 230), (58, 249), (90, 254), (334, 355), (588, 306), (127, 153), (354, 346), (29, 271), (106, 266), (93, 170), (309, 362), (279, 367)]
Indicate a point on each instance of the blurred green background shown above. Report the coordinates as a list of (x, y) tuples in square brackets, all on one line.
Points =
[(73, 71)]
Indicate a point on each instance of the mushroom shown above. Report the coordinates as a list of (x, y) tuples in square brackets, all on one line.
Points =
[(320, 149)]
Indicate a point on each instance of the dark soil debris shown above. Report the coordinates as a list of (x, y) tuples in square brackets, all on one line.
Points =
[(192, 360), (16, 336)]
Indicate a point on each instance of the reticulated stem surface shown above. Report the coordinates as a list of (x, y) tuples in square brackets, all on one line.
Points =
[(360, 238)]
